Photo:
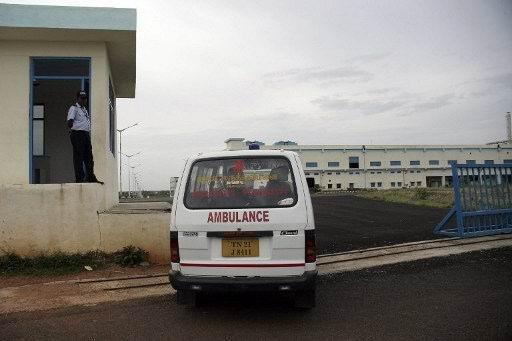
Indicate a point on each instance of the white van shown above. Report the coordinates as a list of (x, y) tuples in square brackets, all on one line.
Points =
[(243, 220)]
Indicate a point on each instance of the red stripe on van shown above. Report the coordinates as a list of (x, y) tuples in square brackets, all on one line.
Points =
[(209, 265)]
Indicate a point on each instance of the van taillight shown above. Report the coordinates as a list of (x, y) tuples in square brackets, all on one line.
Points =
[(175, 250), (310, 247)]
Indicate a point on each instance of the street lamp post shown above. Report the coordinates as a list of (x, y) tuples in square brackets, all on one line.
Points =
[(129, 166), (120, 156), (130, 178)]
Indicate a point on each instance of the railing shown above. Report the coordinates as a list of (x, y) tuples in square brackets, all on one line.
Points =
[(483, 201)]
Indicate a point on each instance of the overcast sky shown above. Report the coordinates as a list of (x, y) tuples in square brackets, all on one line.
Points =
[(315, 72)]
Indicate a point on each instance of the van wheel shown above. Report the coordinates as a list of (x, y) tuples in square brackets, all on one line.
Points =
[(184, 297), (305, 299)]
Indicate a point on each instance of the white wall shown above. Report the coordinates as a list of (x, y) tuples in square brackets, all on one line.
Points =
[(71, 218)]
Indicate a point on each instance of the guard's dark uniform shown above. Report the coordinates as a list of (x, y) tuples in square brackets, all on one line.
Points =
[(81, 141)]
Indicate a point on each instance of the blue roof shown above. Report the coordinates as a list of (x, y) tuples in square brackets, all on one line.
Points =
[(67, 17)]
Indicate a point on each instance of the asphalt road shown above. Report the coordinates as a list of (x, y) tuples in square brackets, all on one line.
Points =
[(347, 222), (465, 297)]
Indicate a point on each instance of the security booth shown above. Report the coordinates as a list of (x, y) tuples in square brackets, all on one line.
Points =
[(47, 55)]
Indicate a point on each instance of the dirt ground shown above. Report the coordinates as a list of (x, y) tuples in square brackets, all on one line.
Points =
[(346, 222), (107, 272)]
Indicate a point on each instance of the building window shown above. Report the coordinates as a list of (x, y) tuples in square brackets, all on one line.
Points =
[(379, 172), (333, 164), (112, 116), (372, 172), (489, 162), (418, 171), (306, 173), (414, 163), (470, 162), (392, 172), (357, 172), (350, 173), (329, 185), (372, 184), (311, 164), (379, 184), (338, 185), (433, 162), (338, 173), (399, 184), (375, 163), (395, 163), (392, 184), (418, 183), (452, 162), (399, 171), (507, 161), (412, 183), (353, 162), (315, 174), (329, 173)]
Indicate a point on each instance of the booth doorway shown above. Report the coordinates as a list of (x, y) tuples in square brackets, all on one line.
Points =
[(54, 84)]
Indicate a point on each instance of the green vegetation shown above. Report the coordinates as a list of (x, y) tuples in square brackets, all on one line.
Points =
[(130, 256), (60, 263), (431, 197)]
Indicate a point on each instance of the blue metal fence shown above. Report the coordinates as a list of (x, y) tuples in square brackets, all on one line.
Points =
[(483, 201)]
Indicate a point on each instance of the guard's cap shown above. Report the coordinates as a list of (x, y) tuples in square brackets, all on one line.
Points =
[(81, 93)]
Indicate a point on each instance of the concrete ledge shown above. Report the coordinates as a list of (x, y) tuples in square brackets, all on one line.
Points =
[(373, 257)]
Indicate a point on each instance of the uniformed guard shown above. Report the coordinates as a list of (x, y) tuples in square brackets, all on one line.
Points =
[(79, 121)]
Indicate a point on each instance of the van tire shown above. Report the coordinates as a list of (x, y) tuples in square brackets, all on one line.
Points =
[(305, 299), (184, 297)]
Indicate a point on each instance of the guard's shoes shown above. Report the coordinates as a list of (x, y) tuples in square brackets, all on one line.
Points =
[(94, 179)]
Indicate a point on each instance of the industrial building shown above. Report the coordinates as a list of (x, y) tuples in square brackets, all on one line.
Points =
[(341, 167)]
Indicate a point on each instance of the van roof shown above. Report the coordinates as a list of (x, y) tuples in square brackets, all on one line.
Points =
[(244, 152)]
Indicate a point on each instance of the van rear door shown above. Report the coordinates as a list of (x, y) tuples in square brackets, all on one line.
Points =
[(242, 216)]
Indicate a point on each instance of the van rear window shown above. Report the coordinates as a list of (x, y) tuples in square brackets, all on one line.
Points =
[(241, 183)]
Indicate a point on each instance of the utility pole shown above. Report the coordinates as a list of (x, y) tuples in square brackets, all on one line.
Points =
[(120, 156)]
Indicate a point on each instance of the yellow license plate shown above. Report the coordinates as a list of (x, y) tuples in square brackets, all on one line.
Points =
[(240, 247)]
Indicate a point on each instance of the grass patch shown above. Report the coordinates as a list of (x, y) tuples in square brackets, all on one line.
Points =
[(60, 263), (430, 197)]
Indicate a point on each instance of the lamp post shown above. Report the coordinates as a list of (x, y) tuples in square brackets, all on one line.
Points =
[(120, 156), (137, 184), (129, 178)]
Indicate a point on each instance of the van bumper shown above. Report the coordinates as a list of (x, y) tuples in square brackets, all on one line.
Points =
[(204, 283)]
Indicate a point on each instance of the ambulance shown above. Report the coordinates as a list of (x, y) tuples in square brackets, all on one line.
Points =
[(243, 221)]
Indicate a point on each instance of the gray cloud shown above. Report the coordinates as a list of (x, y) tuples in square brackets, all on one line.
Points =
[(367, 107), (433, 103), (406, 104), (318, 74), (367, 58)]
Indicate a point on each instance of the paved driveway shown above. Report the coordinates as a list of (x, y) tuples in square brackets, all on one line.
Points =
[(465, 297)]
